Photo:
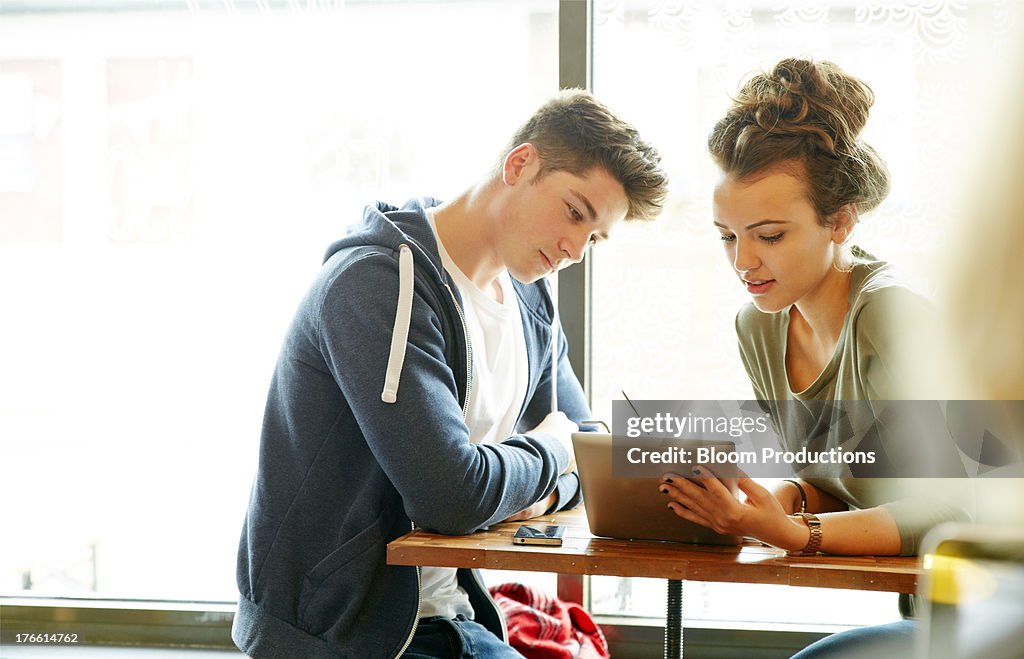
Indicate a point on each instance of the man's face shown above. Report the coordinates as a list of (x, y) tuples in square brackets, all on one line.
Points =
[(549, 222)]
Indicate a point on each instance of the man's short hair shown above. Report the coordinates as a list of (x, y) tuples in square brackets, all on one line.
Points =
[(574, 132)]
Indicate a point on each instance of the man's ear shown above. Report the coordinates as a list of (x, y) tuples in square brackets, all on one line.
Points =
[(842, 222), (517, 161)]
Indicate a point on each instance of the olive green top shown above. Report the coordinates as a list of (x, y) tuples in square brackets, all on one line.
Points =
[(867, 365)]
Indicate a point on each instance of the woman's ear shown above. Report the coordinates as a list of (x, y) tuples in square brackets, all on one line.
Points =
[(842, 223)]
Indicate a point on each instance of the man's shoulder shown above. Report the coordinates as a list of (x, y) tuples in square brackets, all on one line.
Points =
[(388, 227)]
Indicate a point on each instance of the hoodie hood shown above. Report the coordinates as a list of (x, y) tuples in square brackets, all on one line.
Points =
[(404, 232), (401, 230), (389, 226)]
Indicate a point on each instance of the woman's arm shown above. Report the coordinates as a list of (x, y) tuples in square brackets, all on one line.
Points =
[(855, 532), (788, 494), (706, 501)]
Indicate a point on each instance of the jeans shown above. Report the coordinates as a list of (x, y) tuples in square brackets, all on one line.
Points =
[(877, 642), (443, 638)]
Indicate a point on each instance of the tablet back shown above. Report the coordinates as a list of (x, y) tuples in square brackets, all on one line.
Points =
[(633, 508)]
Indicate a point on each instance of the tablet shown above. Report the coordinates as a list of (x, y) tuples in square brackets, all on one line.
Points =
[(634, 508)]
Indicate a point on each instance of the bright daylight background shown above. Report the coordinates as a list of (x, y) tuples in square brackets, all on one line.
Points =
[(170, 173), (169, 181)]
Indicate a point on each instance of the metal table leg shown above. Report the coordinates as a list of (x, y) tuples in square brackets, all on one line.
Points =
[(674, 620)]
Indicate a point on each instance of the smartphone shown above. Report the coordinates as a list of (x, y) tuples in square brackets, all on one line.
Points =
[(550, 535)]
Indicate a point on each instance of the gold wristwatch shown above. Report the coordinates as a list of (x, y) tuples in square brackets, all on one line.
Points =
[(814, 541)]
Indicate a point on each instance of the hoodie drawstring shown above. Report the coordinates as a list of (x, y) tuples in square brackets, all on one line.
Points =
[(400, 332)]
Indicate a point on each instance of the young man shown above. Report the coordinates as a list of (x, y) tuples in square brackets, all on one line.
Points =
[(413, 389)]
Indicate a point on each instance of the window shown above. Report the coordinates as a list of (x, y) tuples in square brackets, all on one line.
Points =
[(170, 175), (661, 290)]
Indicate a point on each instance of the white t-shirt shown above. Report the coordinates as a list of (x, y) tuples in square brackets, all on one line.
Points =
[(495, 400)]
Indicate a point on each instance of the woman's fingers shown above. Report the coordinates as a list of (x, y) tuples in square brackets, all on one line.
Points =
[(710, 499), (684, 491), (754, 490), (703, 498), (691, 501), (718, 487), (685, 513)]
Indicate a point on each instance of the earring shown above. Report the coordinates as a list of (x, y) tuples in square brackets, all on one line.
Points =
[(843, 270), (841, 264)]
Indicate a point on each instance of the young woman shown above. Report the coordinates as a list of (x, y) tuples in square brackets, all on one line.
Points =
[(796, 178)]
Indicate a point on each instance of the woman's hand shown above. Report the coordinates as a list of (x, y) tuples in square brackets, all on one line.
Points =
[(703, 498)]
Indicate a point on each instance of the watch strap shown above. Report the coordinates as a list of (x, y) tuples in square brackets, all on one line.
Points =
[(814, 539)]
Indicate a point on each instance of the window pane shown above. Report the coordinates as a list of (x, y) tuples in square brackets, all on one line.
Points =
[(664, 298), (169, 180)]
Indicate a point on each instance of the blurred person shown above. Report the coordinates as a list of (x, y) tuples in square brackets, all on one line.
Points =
[(984, 318), (796, 177), (982, 321), (983, 330), (412, 391)]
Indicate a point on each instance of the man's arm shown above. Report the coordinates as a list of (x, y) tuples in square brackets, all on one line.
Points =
[(421, 441), (573, 403)]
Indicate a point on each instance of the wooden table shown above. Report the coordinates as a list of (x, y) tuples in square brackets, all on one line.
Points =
[(582, 553)]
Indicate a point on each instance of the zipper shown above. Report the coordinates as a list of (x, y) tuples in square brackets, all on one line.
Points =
[(419, 604), (497, 609), (529, 373), (465, 413), (469, 354)]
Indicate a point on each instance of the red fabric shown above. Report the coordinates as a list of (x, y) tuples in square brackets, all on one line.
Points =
[(544, 627)]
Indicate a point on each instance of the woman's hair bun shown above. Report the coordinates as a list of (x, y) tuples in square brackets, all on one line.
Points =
[(808, 111)]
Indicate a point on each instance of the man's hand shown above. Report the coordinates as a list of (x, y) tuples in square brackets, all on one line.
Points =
[(562, 428)]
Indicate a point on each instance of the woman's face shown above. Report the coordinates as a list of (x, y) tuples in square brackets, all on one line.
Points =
[(773, 239)]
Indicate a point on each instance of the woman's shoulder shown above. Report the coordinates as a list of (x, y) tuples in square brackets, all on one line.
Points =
[(891, 322), (751, 320), (761, 338), (882, 290)]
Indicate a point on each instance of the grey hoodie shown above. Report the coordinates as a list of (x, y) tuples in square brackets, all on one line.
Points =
[(364, 436)]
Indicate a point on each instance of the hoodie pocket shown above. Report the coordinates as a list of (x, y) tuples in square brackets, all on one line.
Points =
[(335, 590)]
